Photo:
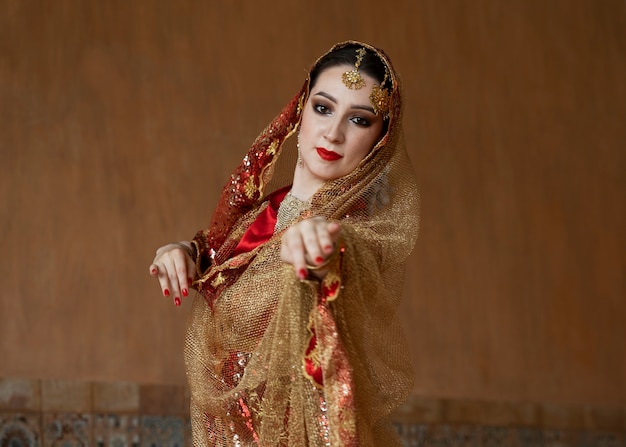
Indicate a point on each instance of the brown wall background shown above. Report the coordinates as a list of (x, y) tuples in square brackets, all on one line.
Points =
[(120, 122)]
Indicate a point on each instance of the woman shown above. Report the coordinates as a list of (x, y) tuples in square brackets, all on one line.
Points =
[(294, 339)]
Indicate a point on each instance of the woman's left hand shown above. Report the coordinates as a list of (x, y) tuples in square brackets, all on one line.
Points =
[(310, 242)]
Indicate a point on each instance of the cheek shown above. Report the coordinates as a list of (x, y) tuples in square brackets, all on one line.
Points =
[(309, 116), (365, 144), (306, 124), (357, 153)]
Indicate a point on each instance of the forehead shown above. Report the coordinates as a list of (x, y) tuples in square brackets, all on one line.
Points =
[(330, 81)]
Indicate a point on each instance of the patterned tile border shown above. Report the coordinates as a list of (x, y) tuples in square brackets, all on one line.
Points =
[(487, 436), (53, 413), (512, 414), (66, 413), (73, 429), (20, 430)]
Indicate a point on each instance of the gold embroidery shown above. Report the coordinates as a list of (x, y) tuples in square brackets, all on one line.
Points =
[(250, 188), (271, 149), (300, 105), (331, 284), (315, 356), (218, 281)]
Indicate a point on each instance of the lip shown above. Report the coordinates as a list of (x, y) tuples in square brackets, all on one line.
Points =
[(327, 155)]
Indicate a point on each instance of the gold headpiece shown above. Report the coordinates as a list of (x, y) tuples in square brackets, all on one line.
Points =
[(380, 98), (353, 79)]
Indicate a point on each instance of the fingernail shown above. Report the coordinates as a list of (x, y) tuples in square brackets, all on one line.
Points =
[(302, 274), (166, 292), (153, 271), (319, 260), (177, 301), (189, 280), (328, 248), (185, 292)]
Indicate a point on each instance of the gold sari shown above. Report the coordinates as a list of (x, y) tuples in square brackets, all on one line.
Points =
[(275, 361)]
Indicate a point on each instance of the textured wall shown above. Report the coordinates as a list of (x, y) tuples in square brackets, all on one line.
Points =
[(120, 121)]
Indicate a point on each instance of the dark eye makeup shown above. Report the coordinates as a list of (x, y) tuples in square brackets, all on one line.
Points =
[(323, 109)]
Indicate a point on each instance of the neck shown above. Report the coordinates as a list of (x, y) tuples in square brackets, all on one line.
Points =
[(303, 188)]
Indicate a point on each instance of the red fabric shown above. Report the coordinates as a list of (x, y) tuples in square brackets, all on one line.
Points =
[(312, 366), (263, 227)]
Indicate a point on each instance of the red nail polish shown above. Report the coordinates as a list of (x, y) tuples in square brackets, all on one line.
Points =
[(166, 292), (189, 280), (319, 260), (302, 274), (185, 292), (177, 301), (153, 271)]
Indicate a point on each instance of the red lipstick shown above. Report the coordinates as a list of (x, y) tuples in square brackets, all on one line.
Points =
[(328, 155)]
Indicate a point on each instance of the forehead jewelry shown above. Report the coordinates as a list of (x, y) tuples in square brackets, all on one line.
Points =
[(352, 78), (380, 99)]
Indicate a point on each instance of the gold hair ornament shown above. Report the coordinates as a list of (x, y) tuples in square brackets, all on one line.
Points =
[(380, 98), (352, 78)]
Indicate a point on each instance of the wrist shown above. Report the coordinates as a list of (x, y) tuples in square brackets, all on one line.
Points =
[(187, 247)]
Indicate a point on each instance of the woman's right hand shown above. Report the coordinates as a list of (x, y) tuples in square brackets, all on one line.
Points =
[(310, 243), (174, 269)]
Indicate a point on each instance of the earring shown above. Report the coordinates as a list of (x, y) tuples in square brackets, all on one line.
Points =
[(299, 163)]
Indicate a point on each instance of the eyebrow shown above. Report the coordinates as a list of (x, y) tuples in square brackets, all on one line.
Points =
[(354, 106)]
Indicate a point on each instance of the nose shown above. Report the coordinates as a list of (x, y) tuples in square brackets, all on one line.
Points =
[(334, 133)]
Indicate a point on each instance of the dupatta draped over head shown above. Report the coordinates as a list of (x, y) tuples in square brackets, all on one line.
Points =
[(276, 361)]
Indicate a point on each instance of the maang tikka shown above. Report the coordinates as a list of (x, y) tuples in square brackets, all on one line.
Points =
[(352, 78), (380, 98)]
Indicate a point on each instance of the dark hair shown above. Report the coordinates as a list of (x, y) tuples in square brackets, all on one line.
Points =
[(371, 64)]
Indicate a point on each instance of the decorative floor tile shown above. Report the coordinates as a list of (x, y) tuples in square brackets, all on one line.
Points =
[(162, 431), (18, 430), (116, 431), (591, 439), (439, 436), (530, 437), (500, 437), (412, 435), (468, 436), (67, 430), (558, 438)]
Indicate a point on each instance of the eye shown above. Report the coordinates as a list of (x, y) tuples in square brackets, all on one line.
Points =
[(321, 109), (360, 121)]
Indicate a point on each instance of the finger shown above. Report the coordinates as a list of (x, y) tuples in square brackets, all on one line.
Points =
[(154, 270), (327, 236), (321, 243), (313, 239), (191, 271), (182, 276), (172, 277), (293, 252), (334, 231), (163, 280)]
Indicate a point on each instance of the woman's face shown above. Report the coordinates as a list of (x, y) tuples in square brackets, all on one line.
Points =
[(338, 127)]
